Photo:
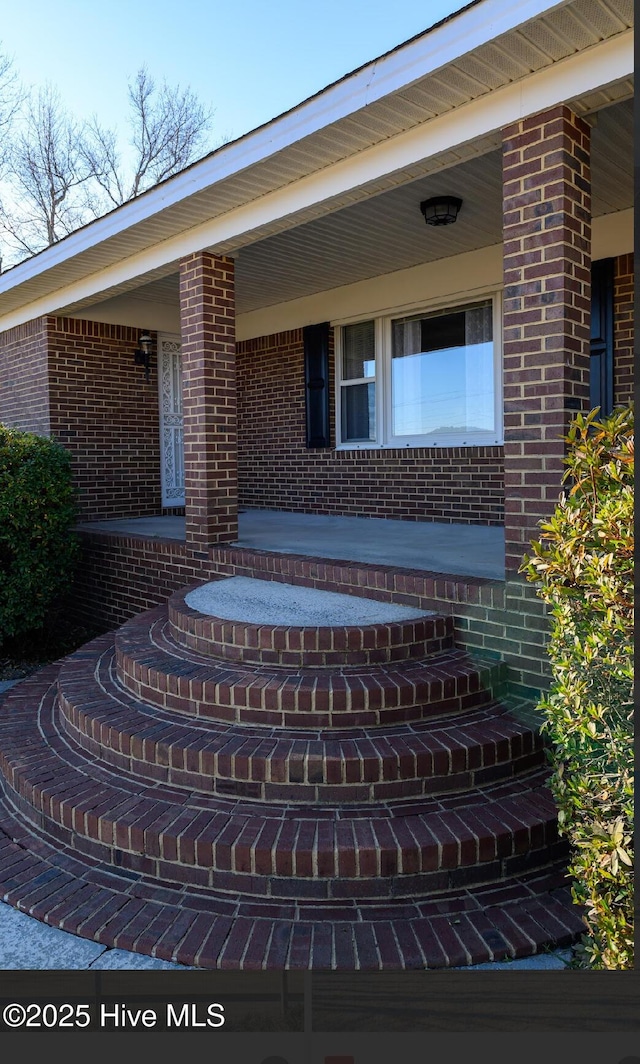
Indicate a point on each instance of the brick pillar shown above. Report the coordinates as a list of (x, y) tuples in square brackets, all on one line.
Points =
[(547, 276), (623, 330), (207, 323)]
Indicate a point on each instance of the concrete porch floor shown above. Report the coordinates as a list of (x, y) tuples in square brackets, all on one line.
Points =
[(461, 550)]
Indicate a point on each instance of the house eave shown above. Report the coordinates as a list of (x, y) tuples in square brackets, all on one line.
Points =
[(152, 231)]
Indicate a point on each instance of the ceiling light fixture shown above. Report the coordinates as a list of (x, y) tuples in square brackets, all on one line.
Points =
[(441, 210)]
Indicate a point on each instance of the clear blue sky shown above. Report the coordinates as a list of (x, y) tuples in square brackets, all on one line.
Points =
[(249, 60)]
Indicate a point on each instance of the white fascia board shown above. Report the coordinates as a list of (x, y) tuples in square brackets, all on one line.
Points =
[(584, 72), (390, 73)]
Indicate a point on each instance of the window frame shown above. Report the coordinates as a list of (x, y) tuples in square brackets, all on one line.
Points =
[(383, 371), (350, 382)]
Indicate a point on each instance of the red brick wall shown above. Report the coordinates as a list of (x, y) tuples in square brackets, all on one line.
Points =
[(120, 575), (105, 413), (623, 331), (277, 471), (24, 387), (107, 416)]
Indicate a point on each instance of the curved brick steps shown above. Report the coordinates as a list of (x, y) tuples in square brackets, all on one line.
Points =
[(131, 911), (396, 849), (428, 757), (157, 670), (307, 647), (233, 795)]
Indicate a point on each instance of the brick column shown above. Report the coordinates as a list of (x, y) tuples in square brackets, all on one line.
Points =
[(547, 268), (623, 330), (207, 323)]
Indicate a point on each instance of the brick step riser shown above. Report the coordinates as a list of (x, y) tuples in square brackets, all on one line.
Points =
[(350, 848), (300, 778), (356, 702), (531, 913), (307, 647), (319, 659), (301, 791), (552, 875), (298, 881)]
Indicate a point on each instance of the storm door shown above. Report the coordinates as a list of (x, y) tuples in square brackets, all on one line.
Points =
[(171, 427)]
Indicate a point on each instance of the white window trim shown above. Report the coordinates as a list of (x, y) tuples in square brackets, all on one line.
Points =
[(385, 440), (343, 383)]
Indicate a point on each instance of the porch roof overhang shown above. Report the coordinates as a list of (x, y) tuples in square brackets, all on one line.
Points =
[(435, 103)]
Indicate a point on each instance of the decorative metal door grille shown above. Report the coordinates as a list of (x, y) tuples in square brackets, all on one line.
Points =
[(171, 426)]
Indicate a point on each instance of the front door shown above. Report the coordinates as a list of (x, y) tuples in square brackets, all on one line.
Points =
[(171, 426)]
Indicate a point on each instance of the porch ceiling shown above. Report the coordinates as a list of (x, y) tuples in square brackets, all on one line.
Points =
[(386, 231)]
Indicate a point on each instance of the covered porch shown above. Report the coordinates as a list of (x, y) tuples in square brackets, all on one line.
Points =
[(231, 416)]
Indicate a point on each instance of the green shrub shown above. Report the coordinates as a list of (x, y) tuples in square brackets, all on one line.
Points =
[(583, 566), (37, 544)]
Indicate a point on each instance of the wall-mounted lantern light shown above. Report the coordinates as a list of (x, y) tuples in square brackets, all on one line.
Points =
[(142, 357)]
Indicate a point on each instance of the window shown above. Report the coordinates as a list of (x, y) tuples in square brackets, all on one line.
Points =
[(358, 382), (427, 379)]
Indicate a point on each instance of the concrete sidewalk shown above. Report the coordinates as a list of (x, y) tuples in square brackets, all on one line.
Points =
[(29, 944)]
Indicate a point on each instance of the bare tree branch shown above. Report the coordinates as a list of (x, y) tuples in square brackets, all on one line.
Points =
[(11, 97), (103, 158), (61, 174), (168, 126), (45, 173)]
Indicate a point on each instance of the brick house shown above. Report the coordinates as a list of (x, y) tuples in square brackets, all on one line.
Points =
[(317, 348), (525, 115)]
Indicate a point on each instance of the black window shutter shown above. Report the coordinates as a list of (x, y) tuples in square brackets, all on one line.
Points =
[(316, 375), (601, 362)]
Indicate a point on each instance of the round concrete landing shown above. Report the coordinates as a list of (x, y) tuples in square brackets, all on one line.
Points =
[(242, 598)]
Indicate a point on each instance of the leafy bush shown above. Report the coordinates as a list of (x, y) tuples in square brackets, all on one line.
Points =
[(583, 565), (37, 544)]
